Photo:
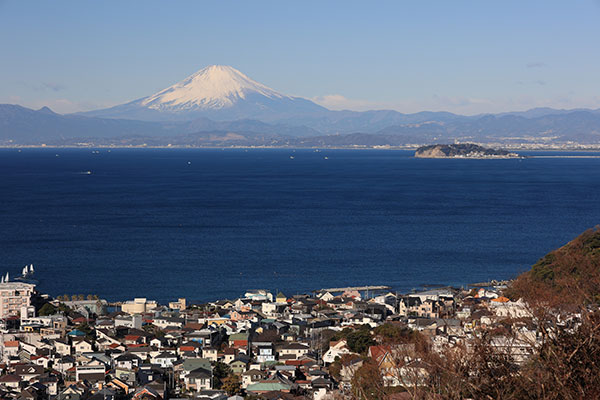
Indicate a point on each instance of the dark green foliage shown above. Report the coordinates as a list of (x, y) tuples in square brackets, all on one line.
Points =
[(47, 309), (358, 340), (392, 333), (220, 372), (543, 269)]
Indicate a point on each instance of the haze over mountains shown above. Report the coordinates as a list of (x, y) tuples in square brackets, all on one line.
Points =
[(220, 106)]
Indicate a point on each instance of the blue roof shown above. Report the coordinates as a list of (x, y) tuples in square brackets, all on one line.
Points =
[(76, 332)]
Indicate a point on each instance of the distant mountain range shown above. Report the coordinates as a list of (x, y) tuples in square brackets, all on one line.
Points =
[(220, 106)]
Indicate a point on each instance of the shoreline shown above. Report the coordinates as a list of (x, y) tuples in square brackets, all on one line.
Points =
[(405, 148)]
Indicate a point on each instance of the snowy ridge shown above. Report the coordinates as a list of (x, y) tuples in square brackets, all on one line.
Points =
[(213, 87)]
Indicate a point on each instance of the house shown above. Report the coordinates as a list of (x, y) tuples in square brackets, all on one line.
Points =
[(252, 376), (72, 392), (295, 349), (326, 296), (198, 379), (28, 371), (229, 355), (10, 381), (90, 372), (146, 393), (180, 304), (64, 363), (10, 349), (51, 384), (190, 364), (127, 361), (129, 321), (165, 322), (265, 353), (280, 298), (259, 295), (82, 346), (164, 359), (239, 340), (210, 353), (240, 364), (336, 349)]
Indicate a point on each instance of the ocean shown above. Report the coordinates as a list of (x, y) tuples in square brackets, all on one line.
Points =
[(207, 224)]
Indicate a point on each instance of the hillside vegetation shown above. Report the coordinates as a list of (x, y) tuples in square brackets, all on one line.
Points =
[(567, 277)]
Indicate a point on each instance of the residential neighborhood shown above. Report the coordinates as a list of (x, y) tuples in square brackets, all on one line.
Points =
[(260, 346)]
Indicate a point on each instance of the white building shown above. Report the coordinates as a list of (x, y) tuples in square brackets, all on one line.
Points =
[(138, 306), (15, 297)]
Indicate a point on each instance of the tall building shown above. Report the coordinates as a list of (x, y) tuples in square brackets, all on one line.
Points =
[(15, 297)]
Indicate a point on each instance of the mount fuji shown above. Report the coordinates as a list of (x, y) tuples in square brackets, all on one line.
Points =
[(217, 92)]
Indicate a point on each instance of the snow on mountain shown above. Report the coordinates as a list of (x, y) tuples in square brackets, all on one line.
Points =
[(213, 87), (218, 92)]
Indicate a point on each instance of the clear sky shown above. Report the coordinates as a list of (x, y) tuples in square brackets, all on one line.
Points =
[(466, 57)]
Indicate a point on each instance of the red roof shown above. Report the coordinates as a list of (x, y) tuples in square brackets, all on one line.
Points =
[(11, 343), (378, 352)]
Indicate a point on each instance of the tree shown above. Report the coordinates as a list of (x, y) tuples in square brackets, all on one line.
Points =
[(360, 340), (47, 309), (90, 297), (231, 384), (367, 383), (220, 372)]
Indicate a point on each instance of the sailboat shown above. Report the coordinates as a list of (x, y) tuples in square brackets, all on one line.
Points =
[(31, 271), (25, 271), (6, 278)]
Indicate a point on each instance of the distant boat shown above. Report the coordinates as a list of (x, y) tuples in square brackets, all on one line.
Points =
[(27, 270), (291, 157), (6, 278), (326, 158)]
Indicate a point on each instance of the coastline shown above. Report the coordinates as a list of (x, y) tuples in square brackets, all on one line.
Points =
[(406, 148)]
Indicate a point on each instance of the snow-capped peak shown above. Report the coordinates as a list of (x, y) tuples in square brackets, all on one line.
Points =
[(213, 87)]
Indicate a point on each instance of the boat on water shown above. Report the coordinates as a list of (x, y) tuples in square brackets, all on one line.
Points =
[(27, 270), (26, 275)]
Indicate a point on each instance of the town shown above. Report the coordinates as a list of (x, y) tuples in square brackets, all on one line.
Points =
[(258, 346)]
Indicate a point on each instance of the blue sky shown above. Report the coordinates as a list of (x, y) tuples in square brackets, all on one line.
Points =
[(466, 57)]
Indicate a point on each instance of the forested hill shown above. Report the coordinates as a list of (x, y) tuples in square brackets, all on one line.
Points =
[(567, 277)]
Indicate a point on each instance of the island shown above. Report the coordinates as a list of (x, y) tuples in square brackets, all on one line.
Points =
[(466, 150)]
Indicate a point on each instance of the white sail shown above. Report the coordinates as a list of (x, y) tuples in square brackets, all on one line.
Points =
[(7, 278), (2, 281), (24, 271), (31, 269)]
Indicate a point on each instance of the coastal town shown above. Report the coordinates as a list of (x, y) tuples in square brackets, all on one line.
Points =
[(261, 345)]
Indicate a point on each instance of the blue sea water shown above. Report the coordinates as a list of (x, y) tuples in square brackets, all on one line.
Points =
[(208, 224)]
